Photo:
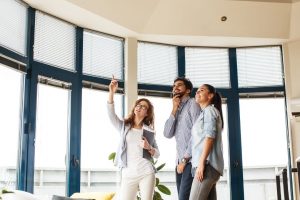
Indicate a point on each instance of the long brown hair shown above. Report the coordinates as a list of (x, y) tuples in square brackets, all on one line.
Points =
[(216, 100), (148, 120)]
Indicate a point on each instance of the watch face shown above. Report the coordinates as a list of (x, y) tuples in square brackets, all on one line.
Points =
[(183, 160)]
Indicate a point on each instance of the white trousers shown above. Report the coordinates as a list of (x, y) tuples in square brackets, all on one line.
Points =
[(130, 186)]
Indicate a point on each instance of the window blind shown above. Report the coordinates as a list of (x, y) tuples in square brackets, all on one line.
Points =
[(54, 42), (207, 65), (102, 55), (259, 67), (13, 20), (157, 64)]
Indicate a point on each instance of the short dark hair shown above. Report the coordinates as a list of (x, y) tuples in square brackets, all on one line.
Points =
[(188, 84)]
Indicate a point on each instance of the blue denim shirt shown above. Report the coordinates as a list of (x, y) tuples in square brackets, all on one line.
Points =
[(121, 154), (208, 124)]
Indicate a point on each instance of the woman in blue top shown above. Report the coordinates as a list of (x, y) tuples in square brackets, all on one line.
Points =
[(207, 150), (137, 146)]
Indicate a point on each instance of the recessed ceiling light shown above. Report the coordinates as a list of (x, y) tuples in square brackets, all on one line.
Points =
[(223, 18)]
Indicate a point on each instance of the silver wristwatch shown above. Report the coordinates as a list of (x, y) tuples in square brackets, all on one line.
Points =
[(184, 160)]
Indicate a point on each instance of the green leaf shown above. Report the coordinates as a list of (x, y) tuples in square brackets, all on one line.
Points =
[(156, 181), (164, 189), (4, 191), (155, 162), (157, 196), (160, 167), (112, 156), (152, 161)]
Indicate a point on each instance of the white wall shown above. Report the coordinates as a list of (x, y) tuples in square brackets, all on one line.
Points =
[(295, 25), (130, 73), (292, 67)]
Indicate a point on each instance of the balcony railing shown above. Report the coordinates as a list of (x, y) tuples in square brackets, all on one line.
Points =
[(283, 173), (259, 182)]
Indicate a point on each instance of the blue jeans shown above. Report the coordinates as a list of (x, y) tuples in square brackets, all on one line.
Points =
[(184, 182), (205, 190)]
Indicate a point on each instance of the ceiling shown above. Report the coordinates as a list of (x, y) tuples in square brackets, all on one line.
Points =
[(278, 1), (188, 23)]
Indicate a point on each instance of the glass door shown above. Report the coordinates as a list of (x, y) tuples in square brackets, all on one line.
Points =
[(11, 83), (51, 139), (264, 145), (98, 140)]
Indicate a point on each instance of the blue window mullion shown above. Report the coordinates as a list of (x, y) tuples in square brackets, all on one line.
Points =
[(234, 133), (25, 171), (74, 140), (31, 132), (181, 61), (12, 54)]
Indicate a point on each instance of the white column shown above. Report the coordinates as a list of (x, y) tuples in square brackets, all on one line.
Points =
[(130, 73)]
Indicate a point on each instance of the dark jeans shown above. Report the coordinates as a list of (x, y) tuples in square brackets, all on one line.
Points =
[(184, 182)]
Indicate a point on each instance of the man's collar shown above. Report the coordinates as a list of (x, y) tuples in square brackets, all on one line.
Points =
[(185, 99)]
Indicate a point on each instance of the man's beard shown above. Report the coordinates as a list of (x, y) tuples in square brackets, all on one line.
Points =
[(178, 94)]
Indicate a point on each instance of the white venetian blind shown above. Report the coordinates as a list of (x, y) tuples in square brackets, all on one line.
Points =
[(259, 67), (207, 66), (54, 42), (102, 55), (157, 64), (13, 20)]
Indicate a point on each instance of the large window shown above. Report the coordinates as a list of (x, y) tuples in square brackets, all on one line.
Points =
[(207, 65), (264, 147), (223, 188), (259, 67), (54, 42), (167, 147), (102, 55), (98, 140), (13, 20), (157, 64), (11, 83), (51, 140)]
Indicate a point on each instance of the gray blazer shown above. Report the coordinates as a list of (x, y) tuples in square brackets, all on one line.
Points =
[(121, 155)]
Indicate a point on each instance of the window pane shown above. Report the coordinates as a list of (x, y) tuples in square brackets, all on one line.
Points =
[(207, 65), (10, 105), (223, 187), (102, 55), (167, 147), (264, 146), (98, 140), (51, 140), (13, 20), (157, 64), (259, 67), (54, 42)]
